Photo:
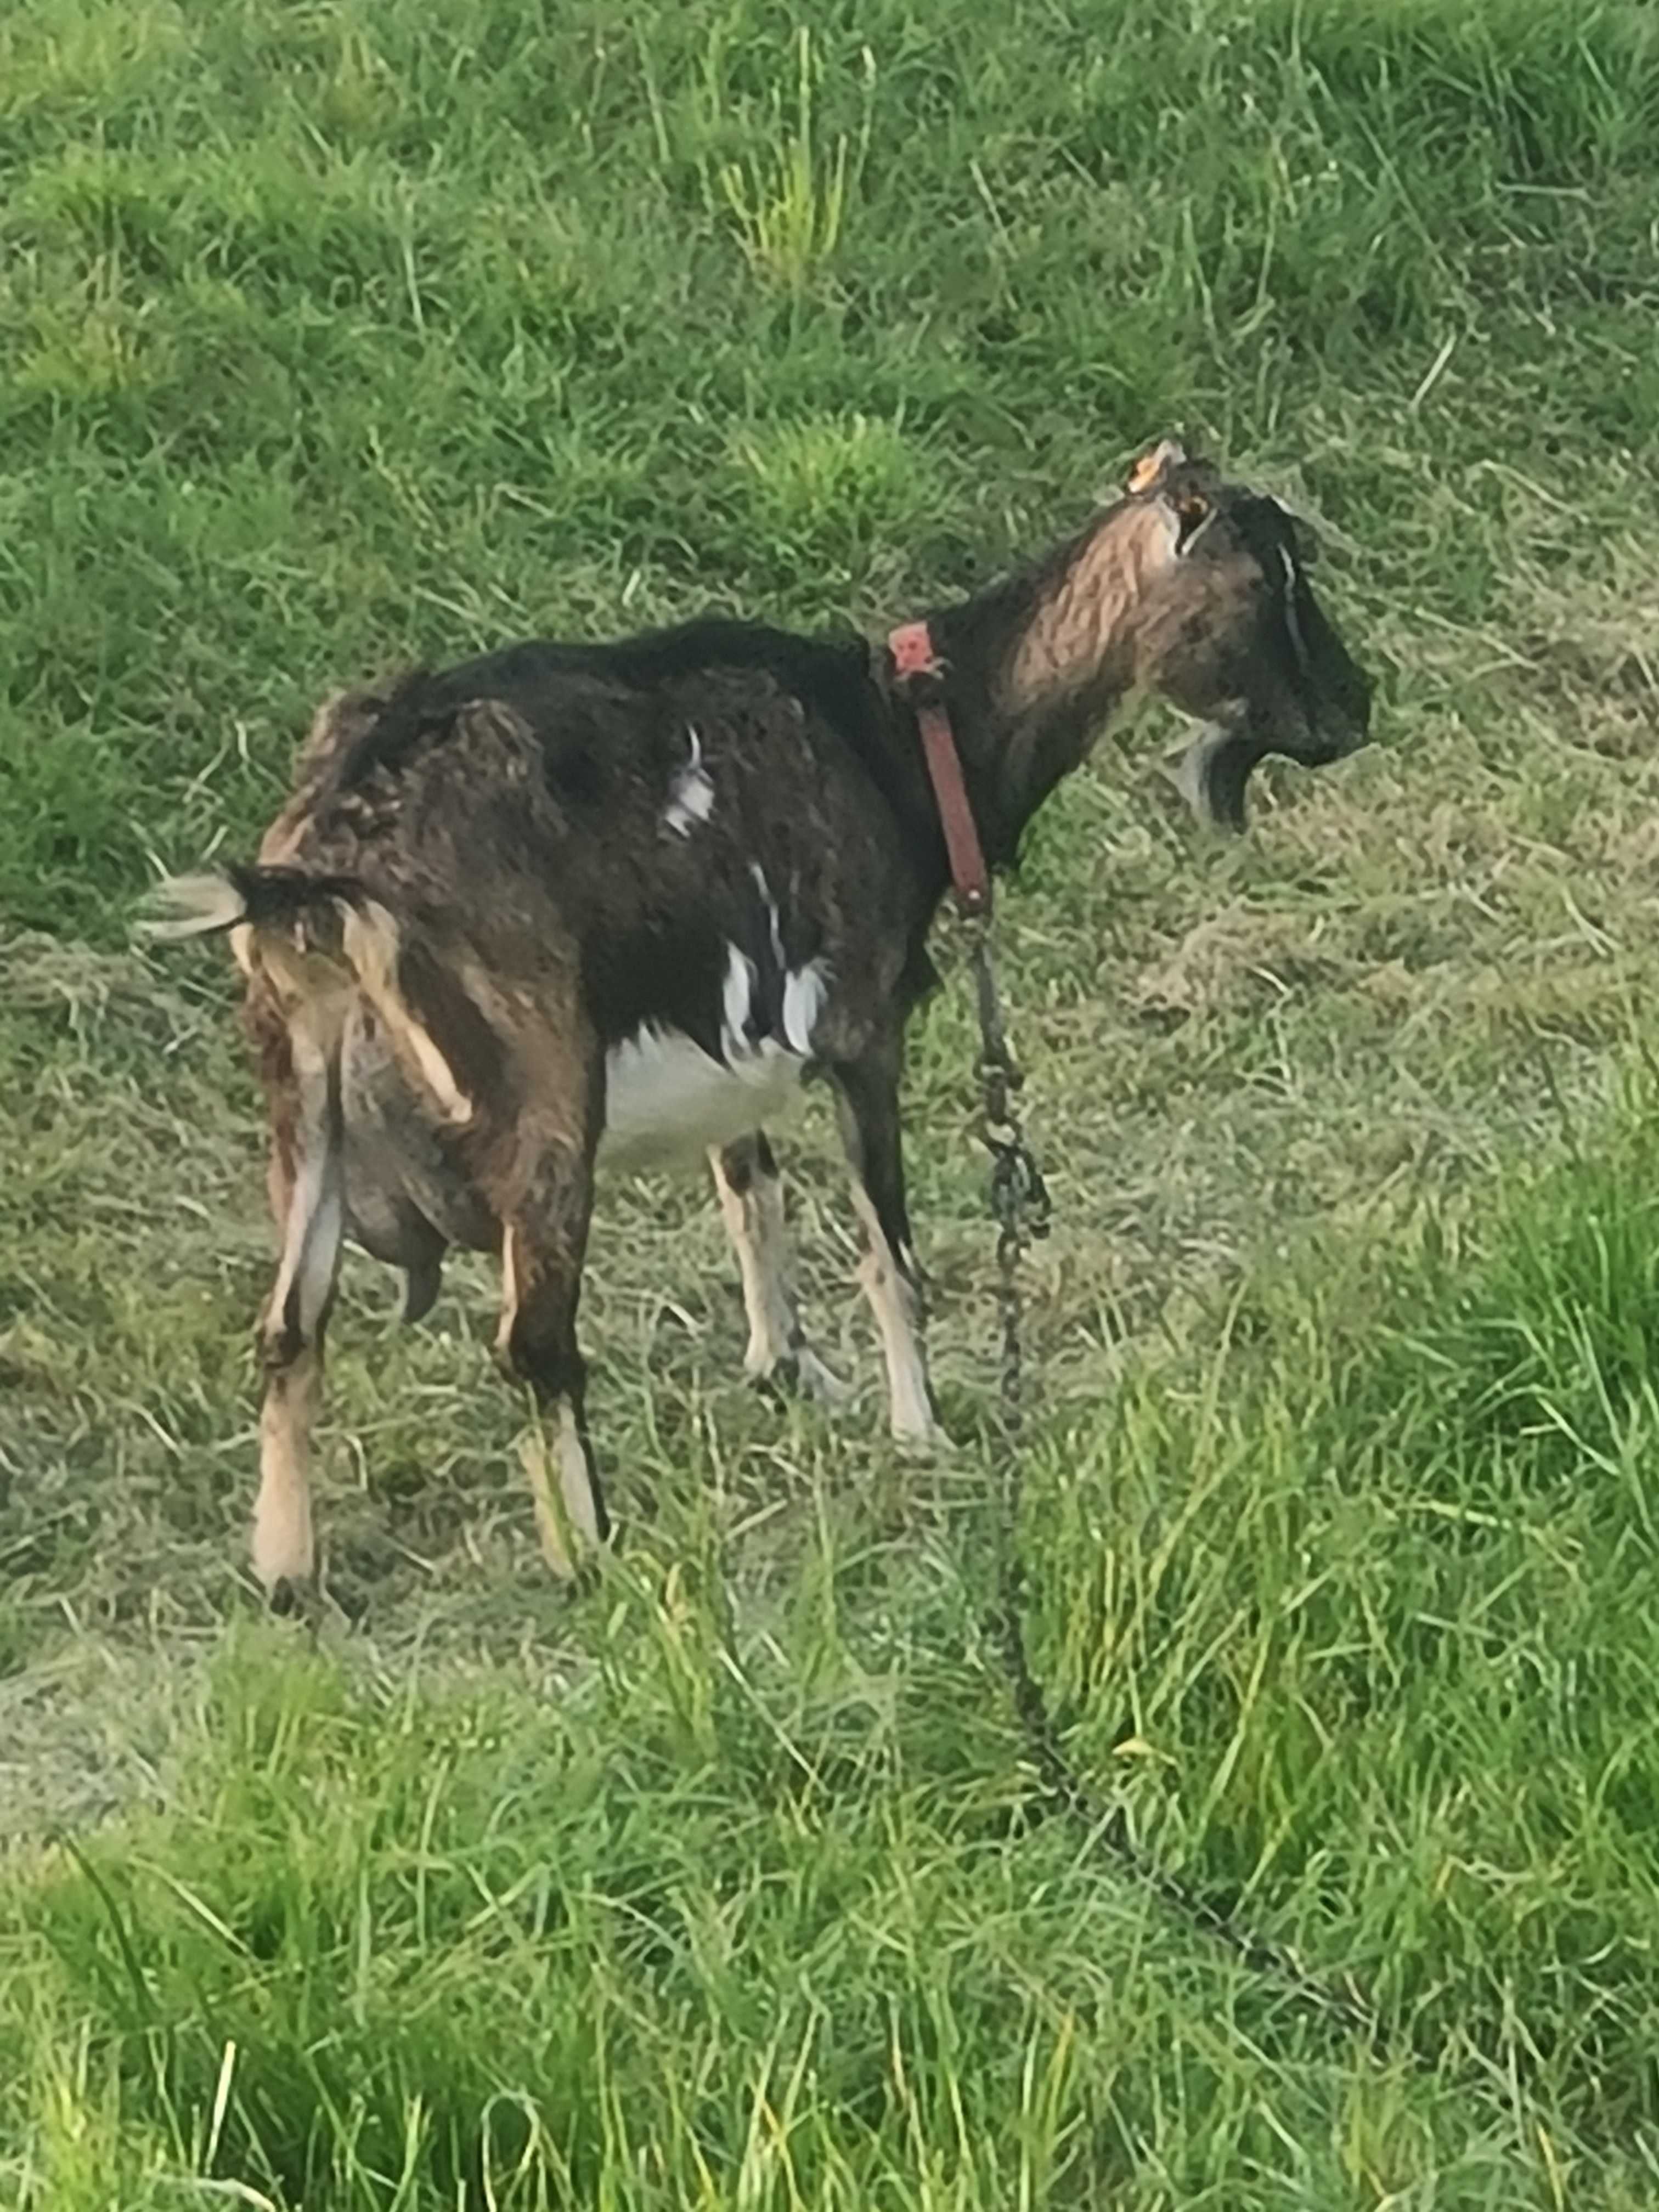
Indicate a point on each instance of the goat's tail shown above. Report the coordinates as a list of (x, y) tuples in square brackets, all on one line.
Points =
[(262, 899), (333, 919)]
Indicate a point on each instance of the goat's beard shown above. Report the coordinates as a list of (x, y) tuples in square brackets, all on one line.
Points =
[(1211, 774)]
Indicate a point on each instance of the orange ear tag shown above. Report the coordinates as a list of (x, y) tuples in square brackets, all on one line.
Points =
[(1150, 467)]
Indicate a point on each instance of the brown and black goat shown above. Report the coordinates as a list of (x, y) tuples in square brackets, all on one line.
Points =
[(568, 902)]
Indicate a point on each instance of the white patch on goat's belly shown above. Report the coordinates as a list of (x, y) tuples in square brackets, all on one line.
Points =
[(667, 1100), (805, 991)]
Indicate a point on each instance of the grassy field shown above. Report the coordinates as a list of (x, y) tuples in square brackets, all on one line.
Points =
[(336, 333)]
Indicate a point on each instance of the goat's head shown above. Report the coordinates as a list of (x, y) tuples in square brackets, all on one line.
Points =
[(1230, 631)]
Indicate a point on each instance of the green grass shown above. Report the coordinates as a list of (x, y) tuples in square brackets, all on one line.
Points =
[(335, 334)]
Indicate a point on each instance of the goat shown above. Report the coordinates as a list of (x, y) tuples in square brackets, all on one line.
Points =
[(567, 902)]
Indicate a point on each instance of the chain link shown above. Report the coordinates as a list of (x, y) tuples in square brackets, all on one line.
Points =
[(1020, 1205)]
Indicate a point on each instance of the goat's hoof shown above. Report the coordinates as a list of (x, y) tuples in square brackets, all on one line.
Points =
[(799, 1374), (291, 1597), (917, 1443), (578, 1569), (802, 1374), (821, 1383), (555, 1558), (580, 1577), (589, 1569), (282, 1555), (317, 1609)]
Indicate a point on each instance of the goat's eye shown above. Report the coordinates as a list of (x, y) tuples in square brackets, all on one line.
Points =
[(1191, 514)]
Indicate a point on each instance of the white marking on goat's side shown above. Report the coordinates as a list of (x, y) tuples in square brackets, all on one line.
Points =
[(765, 891), (736, 999), (666, 1099), (805, 991), (691, 795)]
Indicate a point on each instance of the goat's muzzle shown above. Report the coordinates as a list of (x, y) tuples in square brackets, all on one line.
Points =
[(1306, 698), (1212, 772)]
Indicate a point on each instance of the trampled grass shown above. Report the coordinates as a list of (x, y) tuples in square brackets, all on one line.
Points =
[(335, 334)]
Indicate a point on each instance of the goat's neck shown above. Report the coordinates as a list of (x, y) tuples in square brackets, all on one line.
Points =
[(1035, 666)]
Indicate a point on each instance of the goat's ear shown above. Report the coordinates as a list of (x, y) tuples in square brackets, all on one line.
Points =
[(1150, 470), (1191, 513)]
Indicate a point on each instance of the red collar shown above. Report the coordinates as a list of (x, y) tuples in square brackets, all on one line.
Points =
[(913, 657)]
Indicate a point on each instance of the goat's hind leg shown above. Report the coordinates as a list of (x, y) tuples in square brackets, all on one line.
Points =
[(750, 1192), (544, 1243), (296, 1317)]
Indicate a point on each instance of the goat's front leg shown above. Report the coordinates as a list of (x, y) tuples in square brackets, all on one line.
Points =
[(308, 1194), (752, 1205), (543, 1244), (867, 1094)]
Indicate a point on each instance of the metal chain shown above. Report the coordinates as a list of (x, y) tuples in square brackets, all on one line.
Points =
[(1020, 1207)]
